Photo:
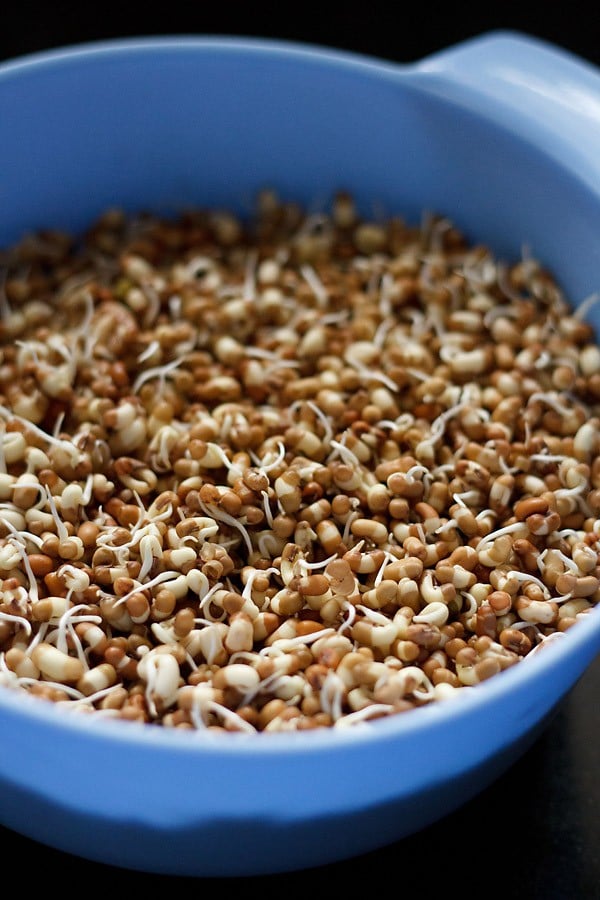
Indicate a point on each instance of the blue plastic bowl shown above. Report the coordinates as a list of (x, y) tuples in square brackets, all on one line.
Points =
[(502, 134)]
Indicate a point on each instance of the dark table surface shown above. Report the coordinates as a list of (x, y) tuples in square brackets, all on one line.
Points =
[(535, 833)]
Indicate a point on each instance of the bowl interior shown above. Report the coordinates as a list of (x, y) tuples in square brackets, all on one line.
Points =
[(166, 124)]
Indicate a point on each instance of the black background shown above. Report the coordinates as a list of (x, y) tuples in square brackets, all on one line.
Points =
[(535, 833), (397, 31)]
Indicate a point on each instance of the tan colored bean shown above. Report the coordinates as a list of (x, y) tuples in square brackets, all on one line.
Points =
[(577, 586), (97, 679), (56, 665)]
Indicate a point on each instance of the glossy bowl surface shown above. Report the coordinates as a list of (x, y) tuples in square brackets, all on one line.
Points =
[(502, 134)]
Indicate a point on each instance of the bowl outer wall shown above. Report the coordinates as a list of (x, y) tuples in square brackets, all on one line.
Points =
[(209, 123), (176, 802)]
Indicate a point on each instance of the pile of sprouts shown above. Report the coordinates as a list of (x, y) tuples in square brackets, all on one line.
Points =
[(302, 471)]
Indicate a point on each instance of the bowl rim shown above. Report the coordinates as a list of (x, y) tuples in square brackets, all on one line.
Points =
[(184, 43)]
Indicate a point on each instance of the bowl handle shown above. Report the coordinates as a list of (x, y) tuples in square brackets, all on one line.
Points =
[(535, 89)]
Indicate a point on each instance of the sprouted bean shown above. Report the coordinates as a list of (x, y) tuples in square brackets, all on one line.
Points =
[(300, 472)]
